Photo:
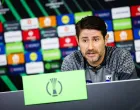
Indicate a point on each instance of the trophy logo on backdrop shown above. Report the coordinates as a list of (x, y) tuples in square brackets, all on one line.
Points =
[(54, 87), (2, 9)]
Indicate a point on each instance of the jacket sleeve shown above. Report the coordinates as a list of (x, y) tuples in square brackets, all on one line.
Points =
[(66, 64), (126, 66)]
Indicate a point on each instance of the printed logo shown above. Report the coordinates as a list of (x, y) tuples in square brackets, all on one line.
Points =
[(54, 87), (138, 56), (12, 26), (136, 22), (121, 12), (80, 15), (3, 60), (54, 4), (50, 55), (14, 47), (111, 37), (48, 33), (67, 51), (136, 33), (34, 67), (137, 45), (2, 9), (111, 44), (120, 24), (33, 56), (13, 36), (50, 43), (31, 35), (124, 35), (30, 23), (48, 66), (1, 27), (135, 11), (68, 42), (52, 65), (108, 78), (32, 46), (128, 45), (65, 19), (3, 70), (66, 30), (104, 14), (16, 58), (2, 49), (16, 69), (49, 21), (1, 37), (1, 2), (109, 25), (138, 9)]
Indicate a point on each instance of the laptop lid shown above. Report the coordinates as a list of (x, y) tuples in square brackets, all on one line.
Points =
[(54, 87)]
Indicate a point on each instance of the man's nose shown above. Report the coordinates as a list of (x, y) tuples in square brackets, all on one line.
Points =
[(90, 46)]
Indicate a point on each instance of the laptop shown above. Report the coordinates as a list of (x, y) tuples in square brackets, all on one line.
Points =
[(117, 95), (54, 87)]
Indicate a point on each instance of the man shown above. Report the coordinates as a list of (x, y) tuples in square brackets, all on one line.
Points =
[(101, 63)]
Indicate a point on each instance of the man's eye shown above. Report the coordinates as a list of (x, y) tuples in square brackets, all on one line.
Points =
[(96, 39), (84, 40)]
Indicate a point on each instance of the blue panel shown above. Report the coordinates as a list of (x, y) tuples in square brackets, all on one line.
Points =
[(33, 56), (65, 19), (104, 14)]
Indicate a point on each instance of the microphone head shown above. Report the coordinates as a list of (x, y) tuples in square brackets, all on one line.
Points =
[(88, 81)]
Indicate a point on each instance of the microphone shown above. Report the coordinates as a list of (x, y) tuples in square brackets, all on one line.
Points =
[(88, 81)]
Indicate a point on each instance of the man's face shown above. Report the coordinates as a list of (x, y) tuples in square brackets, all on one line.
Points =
[(92, 45)]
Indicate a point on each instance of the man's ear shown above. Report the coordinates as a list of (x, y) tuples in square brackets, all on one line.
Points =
[(106, 39), (77, 40)]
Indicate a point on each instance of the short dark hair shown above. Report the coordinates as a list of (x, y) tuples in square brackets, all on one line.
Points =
[(91, 22)]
